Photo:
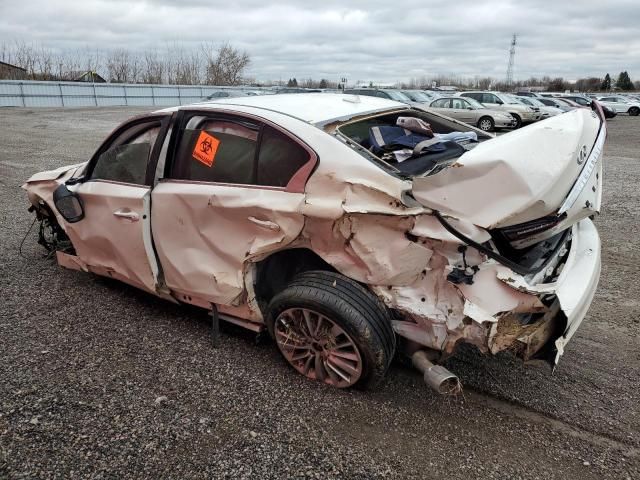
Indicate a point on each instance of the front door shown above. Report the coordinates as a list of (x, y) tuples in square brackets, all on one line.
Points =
[(462, 110), (233, 194), (114, 237)]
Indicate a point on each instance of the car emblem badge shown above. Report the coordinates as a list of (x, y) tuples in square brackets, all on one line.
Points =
[(582, 155)]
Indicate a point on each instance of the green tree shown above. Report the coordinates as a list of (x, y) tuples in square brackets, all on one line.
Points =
[(292, 82), (624, 82), (323, 83), (606, 83)]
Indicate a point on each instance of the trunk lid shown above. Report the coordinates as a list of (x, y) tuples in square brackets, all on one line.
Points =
[(551, 171)]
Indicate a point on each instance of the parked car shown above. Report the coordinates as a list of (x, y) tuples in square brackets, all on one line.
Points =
[(507, 103), (621, 104), (553, 102), (293, 214), (579, 99), (388, 93), (420, 96), (545, 110), (608, 112), (527, 94), (224, 94), (473, 112)]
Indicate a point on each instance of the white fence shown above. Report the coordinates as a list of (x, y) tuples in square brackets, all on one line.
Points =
[(17, 93)]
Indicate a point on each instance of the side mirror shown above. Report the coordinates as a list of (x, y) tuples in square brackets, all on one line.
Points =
[(68, 204), (469, 108), (500, 102)]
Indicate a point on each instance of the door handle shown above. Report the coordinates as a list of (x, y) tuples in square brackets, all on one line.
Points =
[(128, 214), (265, 224)]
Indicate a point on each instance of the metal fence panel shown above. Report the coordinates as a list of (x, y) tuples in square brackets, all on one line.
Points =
[(16, 93)]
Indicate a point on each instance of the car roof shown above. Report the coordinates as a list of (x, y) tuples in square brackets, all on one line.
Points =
[(316, 108)]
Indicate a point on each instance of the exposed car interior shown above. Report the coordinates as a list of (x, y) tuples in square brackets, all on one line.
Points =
[(448, 141)]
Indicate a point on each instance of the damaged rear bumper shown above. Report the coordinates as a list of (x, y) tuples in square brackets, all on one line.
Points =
[(574, 287), (532, 316)]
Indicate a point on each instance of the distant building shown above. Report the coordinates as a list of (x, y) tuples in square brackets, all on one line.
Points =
[(84, 76), (12, 72)]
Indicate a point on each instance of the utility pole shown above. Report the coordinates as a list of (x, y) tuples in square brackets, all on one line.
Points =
[(512, 56)]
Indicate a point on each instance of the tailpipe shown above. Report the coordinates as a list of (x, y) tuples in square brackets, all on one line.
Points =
[(436, 376)]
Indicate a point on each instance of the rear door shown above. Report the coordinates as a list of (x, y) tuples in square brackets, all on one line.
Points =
[(114, 238), (233, 192)]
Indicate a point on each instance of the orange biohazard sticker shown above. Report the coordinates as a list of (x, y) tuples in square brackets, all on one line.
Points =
[(206, 148)]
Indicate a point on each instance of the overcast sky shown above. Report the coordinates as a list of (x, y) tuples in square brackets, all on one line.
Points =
[(372, 40)]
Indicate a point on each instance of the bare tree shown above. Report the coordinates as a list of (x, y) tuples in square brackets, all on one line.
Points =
[(153, 68), (119, 66), (225, 65)]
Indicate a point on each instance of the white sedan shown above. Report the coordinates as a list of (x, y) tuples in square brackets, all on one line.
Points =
[(348, 227)]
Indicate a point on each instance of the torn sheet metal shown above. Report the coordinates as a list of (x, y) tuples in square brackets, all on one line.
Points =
[(518, 177)]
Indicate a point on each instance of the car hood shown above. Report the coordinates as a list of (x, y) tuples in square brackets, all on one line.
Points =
[(53, 174), (524, 175)]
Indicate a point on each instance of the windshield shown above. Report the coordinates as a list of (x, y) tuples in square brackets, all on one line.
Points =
[(399, 96), (537, 102), (526, 101), (417, 96), (474, 103)]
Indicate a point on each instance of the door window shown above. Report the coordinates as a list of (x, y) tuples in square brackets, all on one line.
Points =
[(442, 103), (489, 98), (235, 151), (127, 158), (458, 103)]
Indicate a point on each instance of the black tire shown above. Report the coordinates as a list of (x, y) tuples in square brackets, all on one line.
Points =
[(486, 124), (350, 306), (634, 111), (518, 120)]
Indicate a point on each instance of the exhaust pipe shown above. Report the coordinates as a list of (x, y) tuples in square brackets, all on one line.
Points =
[(436, 376)]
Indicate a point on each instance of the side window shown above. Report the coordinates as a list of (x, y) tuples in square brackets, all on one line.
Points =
[(381, 94), (489, 98), (126, 161), (217, 150), (279, 158), (234, 151), (442, 103), (458, 103)]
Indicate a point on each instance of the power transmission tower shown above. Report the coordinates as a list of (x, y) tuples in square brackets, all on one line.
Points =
[(512, 56)]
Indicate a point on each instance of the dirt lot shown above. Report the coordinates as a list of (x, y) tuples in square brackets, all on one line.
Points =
[(98, 380)]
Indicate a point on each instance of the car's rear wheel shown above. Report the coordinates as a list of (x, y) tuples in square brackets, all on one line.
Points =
[(634, 111), (332, 329), (486, 124), (518, 120)]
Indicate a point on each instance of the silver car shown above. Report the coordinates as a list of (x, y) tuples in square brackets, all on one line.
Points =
[(473, 112)]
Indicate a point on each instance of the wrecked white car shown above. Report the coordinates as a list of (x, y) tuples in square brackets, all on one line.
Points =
[(351, 228)]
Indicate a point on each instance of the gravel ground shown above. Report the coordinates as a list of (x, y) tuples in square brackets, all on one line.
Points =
[(98, 380)]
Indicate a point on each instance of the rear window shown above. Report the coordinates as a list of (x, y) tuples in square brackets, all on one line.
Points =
[(279, 158)]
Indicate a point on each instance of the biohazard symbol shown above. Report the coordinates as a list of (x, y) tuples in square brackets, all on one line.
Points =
[(205, 148)]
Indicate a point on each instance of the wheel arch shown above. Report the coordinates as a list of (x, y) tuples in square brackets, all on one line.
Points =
[(275, 272)]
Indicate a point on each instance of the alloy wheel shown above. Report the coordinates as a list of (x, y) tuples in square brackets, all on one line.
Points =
[(317, 347)]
